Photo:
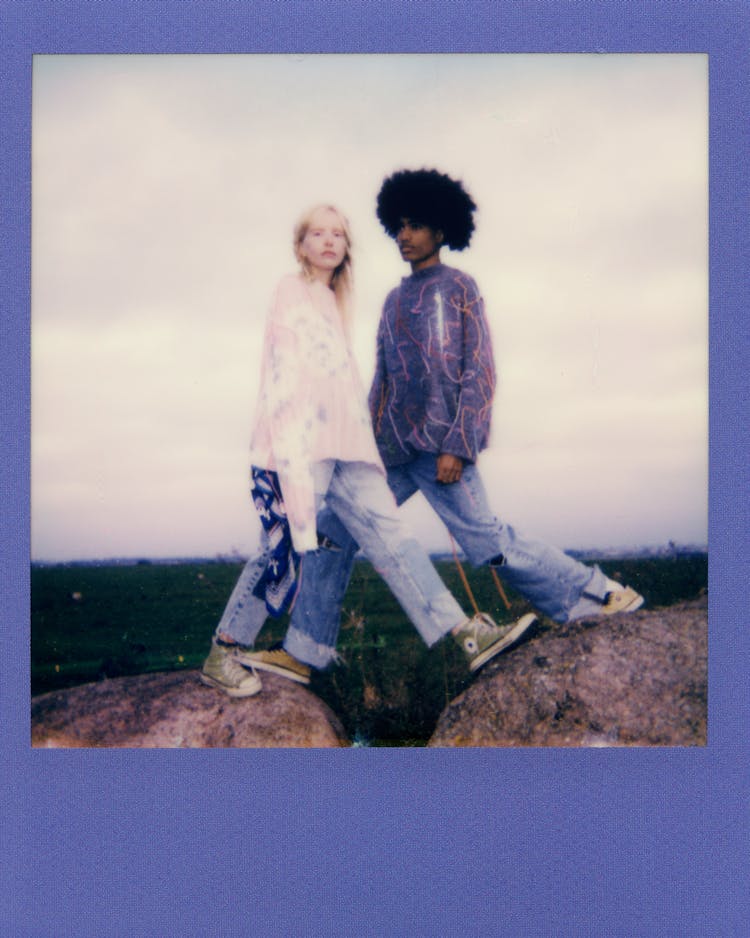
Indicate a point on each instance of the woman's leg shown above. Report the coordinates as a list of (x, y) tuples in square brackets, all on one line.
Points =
[(360, 497), (244, 613), (241, 621), (324, 576), (316, 618)]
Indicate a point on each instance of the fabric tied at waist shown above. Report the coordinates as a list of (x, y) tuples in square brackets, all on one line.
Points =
[(279, 582)]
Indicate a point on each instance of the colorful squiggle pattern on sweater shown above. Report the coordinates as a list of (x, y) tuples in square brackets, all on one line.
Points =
[(434, 375)]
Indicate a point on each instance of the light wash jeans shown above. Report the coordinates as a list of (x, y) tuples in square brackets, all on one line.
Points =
[(553, 582), (361, 510)]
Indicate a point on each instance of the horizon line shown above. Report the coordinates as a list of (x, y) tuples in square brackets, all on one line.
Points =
[(230, 556)]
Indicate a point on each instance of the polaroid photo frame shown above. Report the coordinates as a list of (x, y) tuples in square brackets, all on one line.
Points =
[(385, 842)]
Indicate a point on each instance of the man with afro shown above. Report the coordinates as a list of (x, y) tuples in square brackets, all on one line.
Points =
[(431, 406)]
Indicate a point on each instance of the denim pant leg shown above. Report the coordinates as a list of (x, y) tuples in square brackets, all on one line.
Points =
[(244, 614), (360, 497), (314, 628), (315, 622), (316, 616), (550, 579)]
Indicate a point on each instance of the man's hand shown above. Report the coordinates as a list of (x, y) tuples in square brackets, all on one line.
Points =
[(449, 468)]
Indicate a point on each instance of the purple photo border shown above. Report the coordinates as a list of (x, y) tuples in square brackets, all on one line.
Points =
[(384, 842)]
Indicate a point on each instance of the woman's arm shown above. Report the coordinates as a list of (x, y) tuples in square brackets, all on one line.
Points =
[(289, 410)]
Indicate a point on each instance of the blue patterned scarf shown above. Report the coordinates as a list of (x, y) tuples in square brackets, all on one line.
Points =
[(279, 583)]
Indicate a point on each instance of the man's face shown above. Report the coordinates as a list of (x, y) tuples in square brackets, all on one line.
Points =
[(419, 244)]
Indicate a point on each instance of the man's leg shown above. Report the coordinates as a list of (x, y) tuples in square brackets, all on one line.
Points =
[(360, 497), (552, 581)]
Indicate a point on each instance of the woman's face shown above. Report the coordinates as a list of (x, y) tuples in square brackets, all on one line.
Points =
[(324, 246)]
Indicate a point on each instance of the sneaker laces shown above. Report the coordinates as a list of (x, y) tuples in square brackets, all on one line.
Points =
[(481, 624)]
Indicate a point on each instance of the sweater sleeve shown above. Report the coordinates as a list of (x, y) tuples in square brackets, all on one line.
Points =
[(376, 398), (470, 428), (289, 407)]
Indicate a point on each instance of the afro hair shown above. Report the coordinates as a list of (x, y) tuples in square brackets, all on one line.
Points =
[(431, 198)]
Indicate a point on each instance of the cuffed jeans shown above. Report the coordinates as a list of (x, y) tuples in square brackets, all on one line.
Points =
[(361, 511), (552, 581)]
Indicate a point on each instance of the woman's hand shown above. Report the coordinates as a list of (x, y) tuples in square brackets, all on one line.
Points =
[(449, 468)]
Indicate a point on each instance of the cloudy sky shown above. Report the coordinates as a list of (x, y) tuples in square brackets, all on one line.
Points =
[(164, 193)]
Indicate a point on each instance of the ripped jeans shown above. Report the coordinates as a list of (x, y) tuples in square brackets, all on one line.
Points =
[(361, 511), (552, 581)]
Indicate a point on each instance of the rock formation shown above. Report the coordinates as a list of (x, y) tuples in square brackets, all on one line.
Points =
[(175, 710), (628, 680)]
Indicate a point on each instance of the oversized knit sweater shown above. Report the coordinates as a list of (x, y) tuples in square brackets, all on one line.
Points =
[(312, 404), (434, 373)]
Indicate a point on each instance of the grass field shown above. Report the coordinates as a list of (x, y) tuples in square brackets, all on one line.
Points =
[(92, 622)]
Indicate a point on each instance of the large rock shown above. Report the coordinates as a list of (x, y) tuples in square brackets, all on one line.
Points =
[(169, 710), (628, 680)]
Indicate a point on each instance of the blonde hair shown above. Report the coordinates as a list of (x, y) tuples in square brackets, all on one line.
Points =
[(342, 281)]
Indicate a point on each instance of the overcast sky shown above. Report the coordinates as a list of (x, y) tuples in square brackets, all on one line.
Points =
[(165, 189)]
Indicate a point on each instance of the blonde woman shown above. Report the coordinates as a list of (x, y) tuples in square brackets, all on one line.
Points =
[(312, 445)]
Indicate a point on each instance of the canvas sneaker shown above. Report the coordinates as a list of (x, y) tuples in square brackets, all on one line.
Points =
[(222, 669), (480, 639), (621, 599), (277, 660)]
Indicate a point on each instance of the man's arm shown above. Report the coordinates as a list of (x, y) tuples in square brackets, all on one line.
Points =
[(376, 397), (449, 468), (470, 428)]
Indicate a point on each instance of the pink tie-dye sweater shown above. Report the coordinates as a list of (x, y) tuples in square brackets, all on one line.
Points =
[(312, 404)]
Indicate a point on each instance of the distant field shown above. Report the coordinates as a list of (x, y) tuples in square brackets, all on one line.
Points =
[(92, 622)]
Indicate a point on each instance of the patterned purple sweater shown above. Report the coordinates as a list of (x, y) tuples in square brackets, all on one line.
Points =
[(434, 373)]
